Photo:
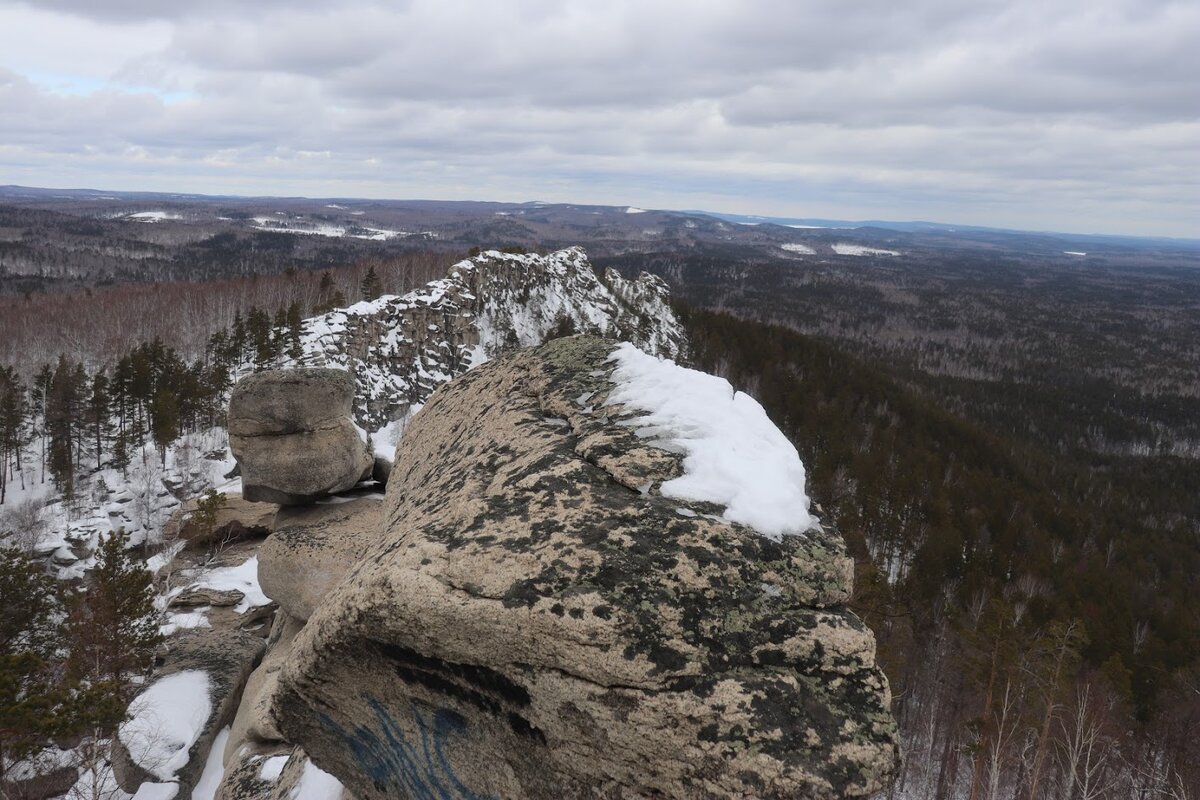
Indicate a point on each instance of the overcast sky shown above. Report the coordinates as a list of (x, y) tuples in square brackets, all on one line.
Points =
[(1078, 115)]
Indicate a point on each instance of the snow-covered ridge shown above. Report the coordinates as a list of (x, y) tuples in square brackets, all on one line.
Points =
[(401, 348), (734, 455)]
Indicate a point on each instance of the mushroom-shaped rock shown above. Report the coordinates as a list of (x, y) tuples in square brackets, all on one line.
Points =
[(292, 434), (548, 614)]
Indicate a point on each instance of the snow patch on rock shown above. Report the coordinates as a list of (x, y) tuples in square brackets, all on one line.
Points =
[(734, 455), (166, 720)]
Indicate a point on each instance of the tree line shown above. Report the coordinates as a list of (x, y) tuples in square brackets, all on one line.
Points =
[(68, 420)]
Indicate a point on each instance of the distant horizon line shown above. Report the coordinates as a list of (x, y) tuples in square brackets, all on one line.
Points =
[(735, 217)]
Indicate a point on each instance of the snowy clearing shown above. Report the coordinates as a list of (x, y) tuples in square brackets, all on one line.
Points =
[(153, 216), (635, 210), (1073, 253), (165, 721), (843, 249), (799, 248), (325, 229), (733, 454)]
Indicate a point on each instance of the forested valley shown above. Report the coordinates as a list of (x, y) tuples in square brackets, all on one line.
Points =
[(1009, 449)]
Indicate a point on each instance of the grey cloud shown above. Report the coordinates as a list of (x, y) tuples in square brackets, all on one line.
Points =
[(920, 108)]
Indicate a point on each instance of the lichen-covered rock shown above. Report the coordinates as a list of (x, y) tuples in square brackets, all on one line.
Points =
[(312, 549), (537, 620), (195, 596), (227, 658), (291, 432)]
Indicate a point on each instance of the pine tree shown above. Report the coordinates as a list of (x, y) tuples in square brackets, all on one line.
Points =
[(33, 697), (100, 413), (39, 396), (113, 625), (61, 404), (294, 326), (164, 419), (371, 287), (329, 296), (14, 411)]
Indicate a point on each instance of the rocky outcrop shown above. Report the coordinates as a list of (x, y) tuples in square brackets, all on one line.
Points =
[(535, 619), (292, 434), (254, 730), (236, 519), (314, 547), (401, 348)]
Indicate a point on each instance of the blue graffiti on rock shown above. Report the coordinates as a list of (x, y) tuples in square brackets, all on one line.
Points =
[(396, 765)]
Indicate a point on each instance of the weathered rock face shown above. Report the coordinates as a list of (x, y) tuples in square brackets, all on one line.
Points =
[(292, 435), (253, 730), (313, 548), (537, 620)]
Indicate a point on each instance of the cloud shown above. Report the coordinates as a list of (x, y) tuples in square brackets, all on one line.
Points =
[(1034, 114)]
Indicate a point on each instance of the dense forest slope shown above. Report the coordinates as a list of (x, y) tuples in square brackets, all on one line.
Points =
[(1023, 602)]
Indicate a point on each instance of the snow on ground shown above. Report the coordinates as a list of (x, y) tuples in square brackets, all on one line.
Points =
[(153, 216), (210, 779), (325, 229), (799, 248), (186, 620), (733, 454), (243, 578), (844, 249), (635, 210), (1073, 253), (165, 721), (272, 768), (316, 784)]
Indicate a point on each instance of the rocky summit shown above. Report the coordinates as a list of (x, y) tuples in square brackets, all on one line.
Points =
[(541, 614)]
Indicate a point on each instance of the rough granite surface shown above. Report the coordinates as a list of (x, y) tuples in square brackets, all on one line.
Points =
[(536, 620)]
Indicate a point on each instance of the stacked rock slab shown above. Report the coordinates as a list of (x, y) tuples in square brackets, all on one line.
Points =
[(536, 620), (292, 434)]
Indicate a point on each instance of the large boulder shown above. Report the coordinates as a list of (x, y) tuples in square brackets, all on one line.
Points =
[(292, 434), (313, 548), (537, 619)]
